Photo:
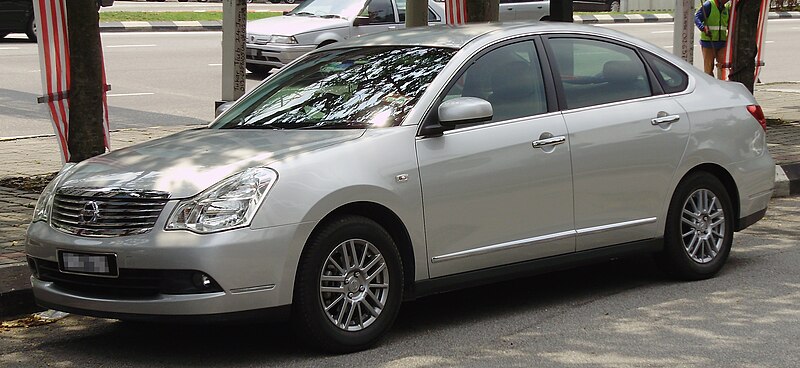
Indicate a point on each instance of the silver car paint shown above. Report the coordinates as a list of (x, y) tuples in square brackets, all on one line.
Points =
[(315, 181)]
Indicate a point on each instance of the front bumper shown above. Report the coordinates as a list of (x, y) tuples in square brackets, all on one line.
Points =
[(254, 269), (275, 55)]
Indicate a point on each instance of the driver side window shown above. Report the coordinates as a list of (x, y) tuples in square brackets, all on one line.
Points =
[(509, 77), (379, 12)]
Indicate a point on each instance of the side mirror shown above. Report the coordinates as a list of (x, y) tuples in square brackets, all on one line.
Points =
[(223, 107), (461, 110), (361, 21), (464, 110)]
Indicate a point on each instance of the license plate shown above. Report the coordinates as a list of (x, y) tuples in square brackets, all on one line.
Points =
[(88, 263)]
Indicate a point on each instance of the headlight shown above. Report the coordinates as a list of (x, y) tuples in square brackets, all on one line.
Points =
[(45, 203), (283, 39), (228, 204)]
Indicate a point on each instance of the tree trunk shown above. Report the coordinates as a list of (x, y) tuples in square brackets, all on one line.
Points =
[(416, 13), (85, 135), (561, 11), (483, 11), (744, 42)]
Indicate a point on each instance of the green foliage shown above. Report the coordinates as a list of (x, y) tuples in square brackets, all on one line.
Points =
[(117, 16)]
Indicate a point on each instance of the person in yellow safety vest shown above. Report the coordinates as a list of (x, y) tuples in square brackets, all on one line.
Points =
[(712, 20)]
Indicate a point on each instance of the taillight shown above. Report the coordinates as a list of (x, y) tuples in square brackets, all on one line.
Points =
[(757, 113)]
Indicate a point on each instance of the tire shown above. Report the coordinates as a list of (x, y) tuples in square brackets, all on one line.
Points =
[(699, 229), (259, 70), (613, 6), (275, 1), (347, 317), (30, 31), (291, 1)]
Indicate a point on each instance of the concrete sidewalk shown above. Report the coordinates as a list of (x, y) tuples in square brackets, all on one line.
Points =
[(33, 156), (212, 25)]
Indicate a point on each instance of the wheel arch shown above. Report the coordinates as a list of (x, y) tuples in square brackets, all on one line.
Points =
[(388, 220), (727, 181)]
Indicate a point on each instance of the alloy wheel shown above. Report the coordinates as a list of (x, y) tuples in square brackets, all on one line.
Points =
[(702, 226), (354, 285)]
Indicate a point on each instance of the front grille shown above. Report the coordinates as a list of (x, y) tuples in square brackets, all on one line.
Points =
[(94, 212)]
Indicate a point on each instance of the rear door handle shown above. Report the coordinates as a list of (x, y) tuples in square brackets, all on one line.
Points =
[(549, 142), (665, 119)]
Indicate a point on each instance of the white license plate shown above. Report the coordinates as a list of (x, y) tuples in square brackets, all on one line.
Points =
[(87, 263)]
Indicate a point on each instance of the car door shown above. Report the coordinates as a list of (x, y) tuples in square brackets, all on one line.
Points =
[(377, 16), (498, 192), (626, 137)]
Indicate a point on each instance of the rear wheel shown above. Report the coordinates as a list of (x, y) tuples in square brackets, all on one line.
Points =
[(699, 229), (349, 286)]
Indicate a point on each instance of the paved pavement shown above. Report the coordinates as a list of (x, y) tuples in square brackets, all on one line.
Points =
[(217, 25), (39, 155)]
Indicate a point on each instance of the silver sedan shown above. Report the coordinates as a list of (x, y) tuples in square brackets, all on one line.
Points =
[(397, 165)]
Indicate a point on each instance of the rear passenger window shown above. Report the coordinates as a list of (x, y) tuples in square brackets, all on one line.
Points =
[(595, 72), (509, 77), (671, 78)]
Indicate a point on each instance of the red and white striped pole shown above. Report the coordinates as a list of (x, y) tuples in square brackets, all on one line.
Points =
[(760, 32), (54, 59), (456, 12)]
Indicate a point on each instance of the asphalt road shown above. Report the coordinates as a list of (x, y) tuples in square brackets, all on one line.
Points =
[(618, 314), (168, 79)]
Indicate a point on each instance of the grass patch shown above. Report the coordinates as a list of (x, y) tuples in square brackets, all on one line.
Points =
[(174, 16)]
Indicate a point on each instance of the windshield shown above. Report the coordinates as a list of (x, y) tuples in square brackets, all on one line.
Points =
[(358, 88), (319, 8)]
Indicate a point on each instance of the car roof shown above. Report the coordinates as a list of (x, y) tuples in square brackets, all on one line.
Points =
[(458, 36)]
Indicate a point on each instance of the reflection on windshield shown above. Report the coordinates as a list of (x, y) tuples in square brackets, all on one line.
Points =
[(341, 89), (319, 8)]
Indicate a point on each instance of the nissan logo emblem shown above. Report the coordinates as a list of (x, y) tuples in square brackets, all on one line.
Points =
[(90, 213)]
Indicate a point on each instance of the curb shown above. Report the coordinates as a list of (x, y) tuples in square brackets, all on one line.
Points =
[(214, 25), (787, 180), (16, 295)]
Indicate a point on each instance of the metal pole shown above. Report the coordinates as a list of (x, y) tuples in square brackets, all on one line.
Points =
[(234, 21), (683, 35)]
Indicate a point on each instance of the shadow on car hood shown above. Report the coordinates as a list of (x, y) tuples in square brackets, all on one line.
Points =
[(186, 163)]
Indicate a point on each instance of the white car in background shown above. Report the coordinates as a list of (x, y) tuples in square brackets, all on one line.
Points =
[(274, 42)]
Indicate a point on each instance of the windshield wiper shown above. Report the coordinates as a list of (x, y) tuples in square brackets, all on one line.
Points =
[(332, 16), (304, 13)]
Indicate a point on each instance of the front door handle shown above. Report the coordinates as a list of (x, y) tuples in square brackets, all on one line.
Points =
[(664, 118), (549, 142)]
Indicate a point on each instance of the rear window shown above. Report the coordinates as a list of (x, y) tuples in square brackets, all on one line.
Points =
[(671, 78)]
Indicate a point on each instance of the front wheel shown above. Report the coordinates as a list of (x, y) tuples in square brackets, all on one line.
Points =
[(259, 70), (349, 285), (699, 229)]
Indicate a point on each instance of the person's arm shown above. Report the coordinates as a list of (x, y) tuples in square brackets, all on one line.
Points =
[(700, 17)]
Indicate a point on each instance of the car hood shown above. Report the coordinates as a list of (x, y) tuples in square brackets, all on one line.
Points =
[(186, 163), (293, 25)]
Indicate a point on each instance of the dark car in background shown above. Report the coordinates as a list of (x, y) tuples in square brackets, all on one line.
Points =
[(16, 16)]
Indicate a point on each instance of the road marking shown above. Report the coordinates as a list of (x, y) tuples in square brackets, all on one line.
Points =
[(769, 41), (661, 32), (9, 48), (130, 94), (668, 47), (214, 64), (126, 46)]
